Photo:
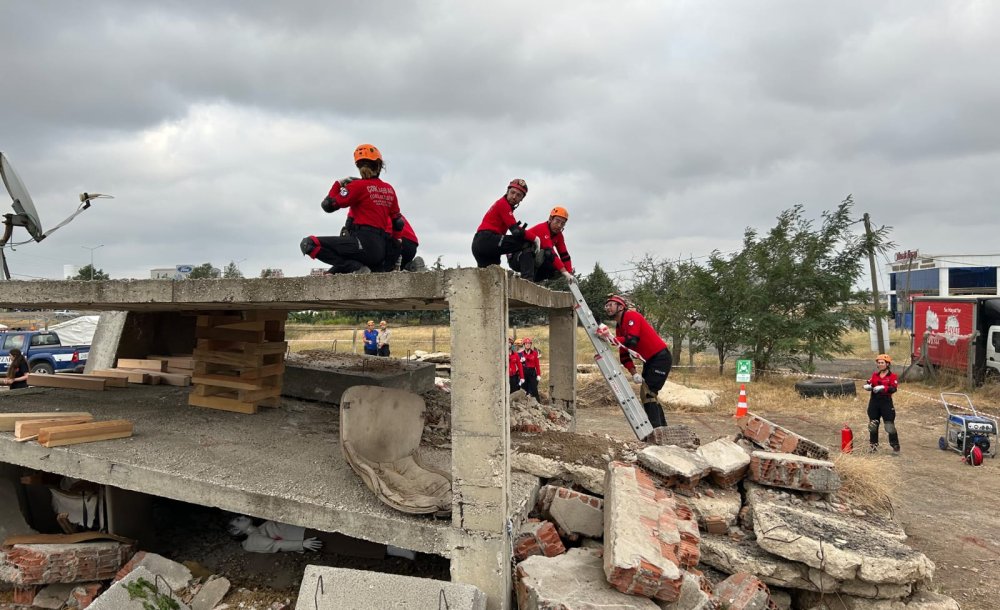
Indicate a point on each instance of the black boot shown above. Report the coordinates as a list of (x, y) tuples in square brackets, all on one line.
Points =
[(894, 442), (873, 448)]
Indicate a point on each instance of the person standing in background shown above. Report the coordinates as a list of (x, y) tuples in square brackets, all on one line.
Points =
[(383, 339), (532, 368), (371, 339)]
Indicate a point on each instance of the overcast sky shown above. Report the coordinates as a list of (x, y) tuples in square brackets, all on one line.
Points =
[(664, 127)]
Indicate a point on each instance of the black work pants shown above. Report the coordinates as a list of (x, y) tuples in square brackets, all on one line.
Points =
[(880, 408), (654, 377), (531, 382), (524, 263), (350, 253), (488, 247)]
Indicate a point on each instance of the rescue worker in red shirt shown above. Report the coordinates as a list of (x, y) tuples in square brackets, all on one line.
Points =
[(491, 239), (882, 385), (532, 368), (373, 208), (402, 248), (552, 256), (633, 332), (515, 369)]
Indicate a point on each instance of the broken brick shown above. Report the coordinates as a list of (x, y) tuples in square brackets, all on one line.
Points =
[(743, 591), (773, 437), (793, 472), (538, 538), (38, 564)]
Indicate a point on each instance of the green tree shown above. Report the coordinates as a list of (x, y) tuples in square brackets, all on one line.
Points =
[(88, 272), (720, 290), (595, 289), (664, 294), (802, 294), (204, 271), (232, 272)]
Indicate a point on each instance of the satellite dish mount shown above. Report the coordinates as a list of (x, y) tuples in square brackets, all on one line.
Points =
[(25, 215)]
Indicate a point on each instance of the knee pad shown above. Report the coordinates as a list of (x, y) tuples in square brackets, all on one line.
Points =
[(890, 427), (647, 394), (873, 425), (309, 246)]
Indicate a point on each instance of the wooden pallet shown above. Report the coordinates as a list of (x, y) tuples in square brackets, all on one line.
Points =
[(238, 361)]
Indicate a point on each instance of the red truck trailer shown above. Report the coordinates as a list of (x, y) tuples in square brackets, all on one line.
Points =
[(960, 333)]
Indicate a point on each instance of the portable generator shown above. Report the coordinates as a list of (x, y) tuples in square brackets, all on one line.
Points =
[(965, 432)]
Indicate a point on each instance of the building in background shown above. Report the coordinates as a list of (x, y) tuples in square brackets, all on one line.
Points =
[(70, 271), (915, 274), (270, 272), (177, 272)]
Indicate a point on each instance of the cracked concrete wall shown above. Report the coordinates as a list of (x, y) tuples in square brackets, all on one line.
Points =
[(562, 361)]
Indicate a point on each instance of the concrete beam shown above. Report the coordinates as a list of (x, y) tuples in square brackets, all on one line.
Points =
[(391, 291), (480, 427)]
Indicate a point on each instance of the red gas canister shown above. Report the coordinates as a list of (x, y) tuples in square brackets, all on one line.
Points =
[(846, 439)]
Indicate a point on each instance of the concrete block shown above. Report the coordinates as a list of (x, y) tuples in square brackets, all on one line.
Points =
[(717, 505), (326, 380), (117, 596), (648, 537), (211, 593), (696, 594), (678, 467), (12, 521), (727, 460), (54, 596), (743, 591), (793, 472), (175, 574), (681, 435), (773, 437), (538, 538), (573, 581), (578, 513), (85, 594), (345, 589)]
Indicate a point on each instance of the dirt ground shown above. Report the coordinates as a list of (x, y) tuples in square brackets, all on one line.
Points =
[(948, 509)]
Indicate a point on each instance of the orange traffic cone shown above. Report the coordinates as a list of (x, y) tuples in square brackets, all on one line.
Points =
[(741, 404)]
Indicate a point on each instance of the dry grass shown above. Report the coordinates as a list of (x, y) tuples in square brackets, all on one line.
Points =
[(869, 481)]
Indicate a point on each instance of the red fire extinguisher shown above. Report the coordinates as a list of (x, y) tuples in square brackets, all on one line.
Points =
[(846, 439)]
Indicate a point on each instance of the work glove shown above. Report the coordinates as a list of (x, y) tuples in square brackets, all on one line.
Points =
[(637, 378), (603, 331), (539, 378), (518, 228), (328, 205), (868, 387), (878, 389), (311, 544), (520, 382)]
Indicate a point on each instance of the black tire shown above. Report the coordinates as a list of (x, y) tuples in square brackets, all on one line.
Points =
[(810, 388), (42, 368)]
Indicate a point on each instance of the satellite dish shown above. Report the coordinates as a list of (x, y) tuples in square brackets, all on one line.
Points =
[(25, 215)]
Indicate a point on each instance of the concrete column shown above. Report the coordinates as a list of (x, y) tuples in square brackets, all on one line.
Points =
[(104, 346), (480, 429), (562, 360), (943, 283)]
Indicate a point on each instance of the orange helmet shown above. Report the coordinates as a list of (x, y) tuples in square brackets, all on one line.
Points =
[(518, 184), (560, 212), (367, 152), (886, 357), (614, 298), (518, 342)]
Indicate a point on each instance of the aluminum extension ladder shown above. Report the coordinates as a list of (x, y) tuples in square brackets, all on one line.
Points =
[(607, 363)]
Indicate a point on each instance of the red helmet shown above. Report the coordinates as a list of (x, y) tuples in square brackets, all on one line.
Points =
[(367, 152), (519, 184), (527, 339), (614, 298), (975, 457)]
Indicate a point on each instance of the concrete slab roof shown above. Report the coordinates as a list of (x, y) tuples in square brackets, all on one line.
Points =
[(398, 291), (283, 464)]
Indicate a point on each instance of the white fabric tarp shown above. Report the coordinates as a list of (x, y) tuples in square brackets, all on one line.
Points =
[(78, 331)]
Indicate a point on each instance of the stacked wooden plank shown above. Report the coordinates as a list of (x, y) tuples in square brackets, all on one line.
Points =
[(239, 361), (75, 382), (151, 370), (57, 429)]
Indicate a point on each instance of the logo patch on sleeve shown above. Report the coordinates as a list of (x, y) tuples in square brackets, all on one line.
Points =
[(631, 322), (343, 191)]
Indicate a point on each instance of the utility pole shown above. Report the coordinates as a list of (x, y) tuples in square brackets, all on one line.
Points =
[(870, 242), (92, 258)]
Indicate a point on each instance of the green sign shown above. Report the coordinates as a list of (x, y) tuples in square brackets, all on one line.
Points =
[(744, 368)]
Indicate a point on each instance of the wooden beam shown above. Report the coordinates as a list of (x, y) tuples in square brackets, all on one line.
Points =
[(231, 358), (30, 427), (144, 364), (66, 381), (226, 381), (109, 382), (229, 334), (85, 433), (221, 403), (8, 421)]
